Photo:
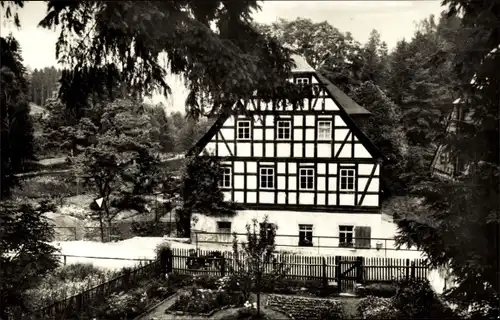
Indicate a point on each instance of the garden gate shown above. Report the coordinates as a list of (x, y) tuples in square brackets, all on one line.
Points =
[(349, 271)]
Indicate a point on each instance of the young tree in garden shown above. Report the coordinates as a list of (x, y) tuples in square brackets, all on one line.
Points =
[(458, 224), (16, 128), (25, 253), (201, 192), (253, 258), (121, 165)]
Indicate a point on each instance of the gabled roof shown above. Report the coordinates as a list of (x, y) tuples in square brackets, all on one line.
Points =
[(346, 105)]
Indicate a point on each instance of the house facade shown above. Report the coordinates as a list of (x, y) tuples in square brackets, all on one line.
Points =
[(311, 170), (444, 164)]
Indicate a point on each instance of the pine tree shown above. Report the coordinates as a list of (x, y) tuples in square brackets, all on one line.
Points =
[(16, 128)]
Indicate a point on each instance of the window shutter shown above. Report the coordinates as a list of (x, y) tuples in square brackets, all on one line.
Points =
[(363, 237)]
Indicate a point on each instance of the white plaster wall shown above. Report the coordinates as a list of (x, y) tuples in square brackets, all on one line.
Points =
[(324, 224)]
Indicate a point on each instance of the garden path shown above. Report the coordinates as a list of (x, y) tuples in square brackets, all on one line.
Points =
[(158, 313)]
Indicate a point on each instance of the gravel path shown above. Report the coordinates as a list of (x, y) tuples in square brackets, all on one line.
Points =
[(158, 313)]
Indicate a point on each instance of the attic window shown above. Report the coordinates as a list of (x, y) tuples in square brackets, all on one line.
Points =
[(302, 81), (444, 157)]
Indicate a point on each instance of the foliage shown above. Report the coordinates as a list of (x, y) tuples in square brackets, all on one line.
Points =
[(42, 84), (16, 127), (121, 165), (384, 290), (375, 308), (458, 224), (307, 308), (65, 282), (254, 256), (385, 130), (120, 43), (201, 192), (414, 299), (206, 300), (333, 53), (160, 248), (25, 253)]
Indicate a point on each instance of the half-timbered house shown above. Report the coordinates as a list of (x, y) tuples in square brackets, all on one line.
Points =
[(311, 170), (444, 164)]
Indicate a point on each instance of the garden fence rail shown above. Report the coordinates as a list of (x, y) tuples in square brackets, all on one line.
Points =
[(83, 301)]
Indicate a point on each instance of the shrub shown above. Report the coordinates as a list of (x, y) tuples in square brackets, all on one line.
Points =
[(416, 299), (378, 289), (206, 300), (376, 308), (206, 281), (162, 247)]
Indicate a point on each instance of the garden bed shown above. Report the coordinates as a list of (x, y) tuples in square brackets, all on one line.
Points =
[(303, 308), (205, 302)]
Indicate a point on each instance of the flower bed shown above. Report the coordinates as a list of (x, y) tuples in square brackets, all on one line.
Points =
[(67, 281), (305, 307), (204, 302), (377, 289), (313, 288)]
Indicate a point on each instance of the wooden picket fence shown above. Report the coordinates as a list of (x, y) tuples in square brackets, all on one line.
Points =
[(326, 268)]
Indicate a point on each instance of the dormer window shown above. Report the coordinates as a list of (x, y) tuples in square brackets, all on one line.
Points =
[(302, 81), (444, 157), (243, 129)]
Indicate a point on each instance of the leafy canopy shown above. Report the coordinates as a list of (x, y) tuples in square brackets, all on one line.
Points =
[(211, 43)]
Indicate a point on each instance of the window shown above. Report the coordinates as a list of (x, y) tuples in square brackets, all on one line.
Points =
[(284, 130), (443, 157), (306, 235), (266, 178), (224, 231), (346, 235), (225, 179), (306, 179), (346, 179), (324, 130), (302, 81), (243, 128), (268, 227)]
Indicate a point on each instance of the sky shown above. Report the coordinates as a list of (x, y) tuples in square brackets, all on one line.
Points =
[(394, 20)]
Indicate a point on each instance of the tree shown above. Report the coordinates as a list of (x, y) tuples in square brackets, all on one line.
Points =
[(252, 257), (385, 130), (458, 222), (25, 253), (16, 128), (121, 165), (120, 43), (333, 53), (201, 191)]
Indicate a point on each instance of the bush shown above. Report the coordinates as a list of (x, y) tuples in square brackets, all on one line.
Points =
[(67, 281), (376, 308), (416, 299), (149, 228), (200, 301), (206, 281), (378, 289)]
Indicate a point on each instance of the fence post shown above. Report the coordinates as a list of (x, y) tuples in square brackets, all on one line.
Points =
[(338, 273), (413, 269), (407, 269), (222, 266), (64, 257), (325, 280), (359, 269)]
